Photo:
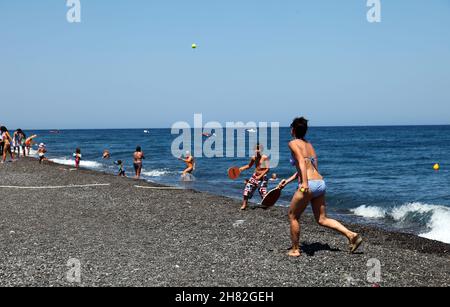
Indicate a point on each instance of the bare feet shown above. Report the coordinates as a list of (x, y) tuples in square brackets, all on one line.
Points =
[(295, 253), (244, 208)]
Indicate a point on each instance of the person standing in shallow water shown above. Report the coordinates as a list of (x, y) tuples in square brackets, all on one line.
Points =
[(138, 157), (311, 189)]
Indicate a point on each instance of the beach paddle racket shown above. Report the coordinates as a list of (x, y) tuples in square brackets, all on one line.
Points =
[(271, 198), (234, 173)]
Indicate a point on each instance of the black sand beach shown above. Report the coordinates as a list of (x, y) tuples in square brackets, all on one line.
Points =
[(128, 236)]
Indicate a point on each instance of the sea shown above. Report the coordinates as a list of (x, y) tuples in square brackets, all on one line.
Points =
[(376, 176)]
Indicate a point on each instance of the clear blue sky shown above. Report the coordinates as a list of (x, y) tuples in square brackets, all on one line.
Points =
[(129, 63)]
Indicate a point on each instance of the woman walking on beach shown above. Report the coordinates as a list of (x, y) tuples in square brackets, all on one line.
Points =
[(137, 162), (6, 139), (312, 189)]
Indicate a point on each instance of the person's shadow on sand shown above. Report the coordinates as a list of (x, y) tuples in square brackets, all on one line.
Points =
[(311, 249)]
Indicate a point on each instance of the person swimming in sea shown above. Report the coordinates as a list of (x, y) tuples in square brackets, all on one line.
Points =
[(190, 164), (259, 177), (106, 155), (311, 189), (138, 158)]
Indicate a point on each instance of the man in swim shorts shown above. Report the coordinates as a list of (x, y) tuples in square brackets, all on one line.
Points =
[(138, 157), (259, 178)]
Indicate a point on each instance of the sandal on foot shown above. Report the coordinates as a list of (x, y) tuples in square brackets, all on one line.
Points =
[(355, 244)]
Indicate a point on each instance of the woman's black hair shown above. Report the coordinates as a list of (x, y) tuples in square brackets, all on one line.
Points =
[(78, 151), (300, 127), (3, 129), (138, 149)]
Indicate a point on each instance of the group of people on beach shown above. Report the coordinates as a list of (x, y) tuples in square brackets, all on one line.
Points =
[(14, 145), (311, 185)]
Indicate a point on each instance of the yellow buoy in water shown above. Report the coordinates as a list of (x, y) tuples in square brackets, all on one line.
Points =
[(194, 46), (436, 167)]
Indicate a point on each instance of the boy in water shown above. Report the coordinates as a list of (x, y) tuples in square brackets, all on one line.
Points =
[(259, 178), (121, 168), (77, 156)]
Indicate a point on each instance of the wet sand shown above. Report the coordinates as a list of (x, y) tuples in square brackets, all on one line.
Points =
[(128, 236)]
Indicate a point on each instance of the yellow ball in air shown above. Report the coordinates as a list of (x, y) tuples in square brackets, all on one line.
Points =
[(436, 167), (194, 46)]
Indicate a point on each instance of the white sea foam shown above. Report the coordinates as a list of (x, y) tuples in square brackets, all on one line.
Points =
[(83, 163), (436, 218), (155, 173), (370, 212), (33, 152)]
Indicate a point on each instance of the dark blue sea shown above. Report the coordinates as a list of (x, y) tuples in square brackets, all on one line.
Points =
[(380, 176)]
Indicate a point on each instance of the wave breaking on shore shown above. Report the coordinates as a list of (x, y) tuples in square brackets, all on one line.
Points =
[(435, 218)]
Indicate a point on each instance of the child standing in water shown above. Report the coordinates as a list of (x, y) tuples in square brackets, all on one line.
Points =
[(77, 156), (121, 168), (41, 152)]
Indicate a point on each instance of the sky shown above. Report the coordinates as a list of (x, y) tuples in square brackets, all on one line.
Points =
[(129, 64)]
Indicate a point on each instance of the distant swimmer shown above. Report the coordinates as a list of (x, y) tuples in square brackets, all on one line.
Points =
[(208, 135), (138, 158), (274, 177), (190, 164), (311, 189), (259, 178), (106, 154)]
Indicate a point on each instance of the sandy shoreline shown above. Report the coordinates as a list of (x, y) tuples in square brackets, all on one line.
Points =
[(125, 236)]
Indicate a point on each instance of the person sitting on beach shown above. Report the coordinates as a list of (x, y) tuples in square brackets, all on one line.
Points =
[(77, 156), (190, 164), (6, 140), (137, 161), (311, 189), (42, 150), (121, 168), (259, 178)]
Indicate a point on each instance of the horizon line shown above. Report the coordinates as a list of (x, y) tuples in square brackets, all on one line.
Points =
[(318, 126)]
